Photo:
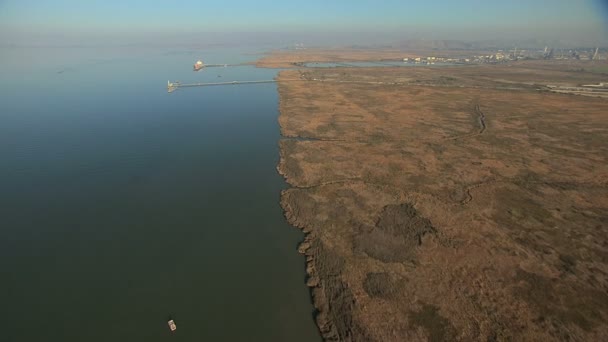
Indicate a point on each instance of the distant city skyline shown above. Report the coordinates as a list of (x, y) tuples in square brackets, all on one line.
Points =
[(439, 19)]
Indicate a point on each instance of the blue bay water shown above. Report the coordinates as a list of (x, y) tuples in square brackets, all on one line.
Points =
[(122, 204)]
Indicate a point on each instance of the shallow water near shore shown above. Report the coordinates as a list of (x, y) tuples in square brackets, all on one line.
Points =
[(122, 204)]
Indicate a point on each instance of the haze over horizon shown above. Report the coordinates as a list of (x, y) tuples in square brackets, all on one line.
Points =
[(316, 22)]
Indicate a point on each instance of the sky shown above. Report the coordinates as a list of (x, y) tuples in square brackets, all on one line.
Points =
[(438, 19)]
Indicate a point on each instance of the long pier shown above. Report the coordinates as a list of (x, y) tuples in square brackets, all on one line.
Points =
[(224, 65), (172, 86)]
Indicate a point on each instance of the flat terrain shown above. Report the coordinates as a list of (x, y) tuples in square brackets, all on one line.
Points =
[(452, 203), (288, 58)]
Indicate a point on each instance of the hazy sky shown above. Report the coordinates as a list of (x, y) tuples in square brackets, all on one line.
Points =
[(447, 17)]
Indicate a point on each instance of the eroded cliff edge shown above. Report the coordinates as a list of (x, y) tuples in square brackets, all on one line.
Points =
[(441, 205)]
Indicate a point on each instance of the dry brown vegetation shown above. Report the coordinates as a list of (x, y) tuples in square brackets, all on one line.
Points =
[(456, 203), (286, 59)]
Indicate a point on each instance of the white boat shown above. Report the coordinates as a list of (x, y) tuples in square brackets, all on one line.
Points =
[(172, 325), (198, 65)]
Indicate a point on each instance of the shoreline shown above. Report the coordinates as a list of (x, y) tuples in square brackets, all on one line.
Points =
[(401, 201), (312, 280)]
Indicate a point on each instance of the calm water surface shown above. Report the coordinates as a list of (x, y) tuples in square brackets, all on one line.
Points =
[(121, 204)]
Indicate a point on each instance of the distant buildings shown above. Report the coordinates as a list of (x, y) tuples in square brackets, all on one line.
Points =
[(503, 56), (430, 60)]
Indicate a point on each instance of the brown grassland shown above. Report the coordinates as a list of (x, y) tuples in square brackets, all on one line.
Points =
[(286, 59), (449, 203)]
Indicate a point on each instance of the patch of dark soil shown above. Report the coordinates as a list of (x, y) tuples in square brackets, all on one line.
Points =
[(560, 304), (437, 327), (299, 206), (404, 220), (359, 201), (379, 285), (460, 195), (333, 298), (341, 304), (523, 216), (398, 232), (326, 261), (291, 167), (330, 127), (568, 263)]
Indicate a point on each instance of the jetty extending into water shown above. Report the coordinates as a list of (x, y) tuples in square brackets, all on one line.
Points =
[(172, 86)]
